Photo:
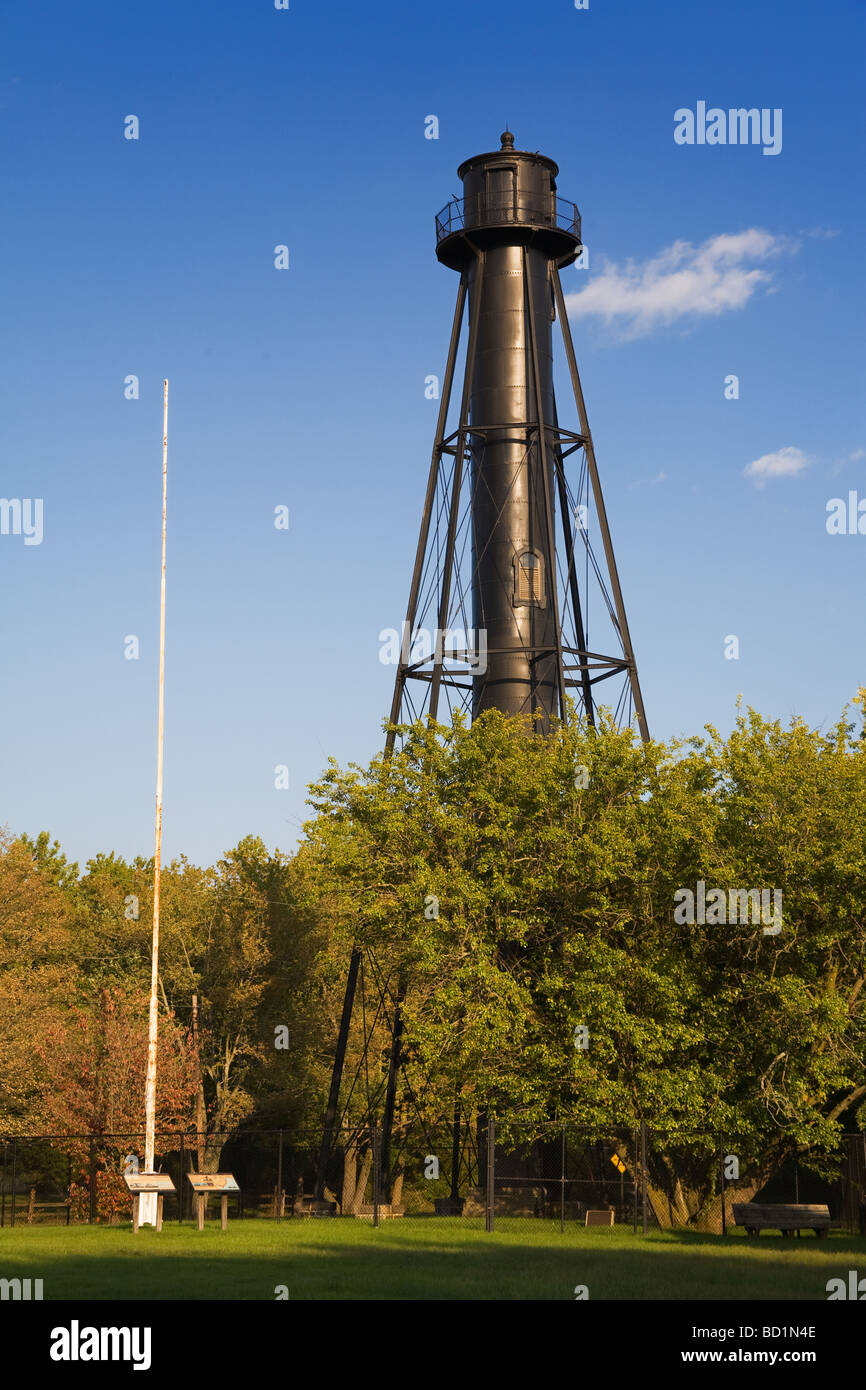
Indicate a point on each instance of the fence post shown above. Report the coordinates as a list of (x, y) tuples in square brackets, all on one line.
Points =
[(562, 1192), (489, 1214), (634, 1185), (278, 1199), (3, 1187), (722, 1184), (455, 1158), (180, 1185), (68, 1188), (14, 1165), (374, 1139), (92, 1181), (643, 1172)]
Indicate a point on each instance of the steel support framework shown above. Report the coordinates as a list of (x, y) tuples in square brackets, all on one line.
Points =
[(441, 585)]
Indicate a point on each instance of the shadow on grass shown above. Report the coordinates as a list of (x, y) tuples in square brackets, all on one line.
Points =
[(415, 1262)]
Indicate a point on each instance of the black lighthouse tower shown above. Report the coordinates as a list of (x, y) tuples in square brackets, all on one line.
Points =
[(514, 558)]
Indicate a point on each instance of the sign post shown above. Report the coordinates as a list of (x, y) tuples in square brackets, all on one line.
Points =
[(203, 1184), (150, 1188)]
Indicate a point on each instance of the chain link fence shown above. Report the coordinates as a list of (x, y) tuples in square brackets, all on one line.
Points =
[(484, 1173)]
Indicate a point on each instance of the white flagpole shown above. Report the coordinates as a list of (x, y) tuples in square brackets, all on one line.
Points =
[(153, 1023)]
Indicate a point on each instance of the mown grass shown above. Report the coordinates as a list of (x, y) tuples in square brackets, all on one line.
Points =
[(419, 1259)]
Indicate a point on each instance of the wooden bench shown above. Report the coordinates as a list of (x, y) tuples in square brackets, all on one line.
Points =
[(761, 1216), (305, 1204)]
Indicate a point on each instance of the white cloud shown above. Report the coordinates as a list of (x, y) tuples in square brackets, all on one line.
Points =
[(683, 280), (785, 463)]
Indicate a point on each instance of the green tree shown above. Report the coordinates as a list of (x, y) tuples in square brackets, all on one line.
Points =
[(50, 860), (555, 913)]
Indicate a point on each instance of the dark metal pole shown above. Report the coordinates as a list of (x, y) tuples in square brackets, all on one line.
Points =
[(634, 1184), (722, 1183), (622, 621), (455, 1156), (491, 1174), (585, 681), (643, 1172), (278, 1209), (92, 1216), (562, 1192), (337, 1073), (3, 1187), (68, 1189), (14, 1166), (391, 1090), (374, 1139), (180, 1185)]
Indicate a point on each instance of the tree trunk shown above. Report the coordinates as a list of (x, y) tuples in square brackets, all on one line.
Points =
[(710, 1217), (200, 1125), (350, 1175), (212, 1155), (361, 1186), (699, 1208), (397, 1185)]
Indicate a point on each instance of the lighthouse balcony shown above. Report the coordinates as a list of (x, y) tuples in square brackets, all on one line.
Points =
[(465, 214)]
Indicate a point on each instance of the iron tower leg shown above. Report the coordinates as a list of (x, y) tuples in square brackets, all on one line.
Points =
[(391, 1092), (445, 595), (622, 621), (337, 1072), (580, 634), (432, 480)]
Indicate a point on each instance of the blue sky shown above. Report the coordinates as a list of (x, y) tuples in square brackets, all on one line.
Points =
[(305, 387)]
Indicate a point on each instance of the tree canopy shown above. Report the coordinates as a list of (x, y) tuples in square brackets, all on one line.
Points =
[(522, 891)]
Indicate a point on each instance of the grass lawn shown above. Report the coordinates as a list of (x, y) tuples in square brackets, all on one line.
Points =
[(435, 1258)]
